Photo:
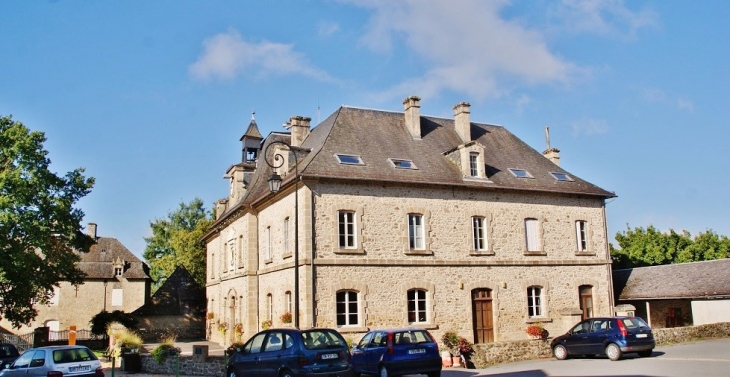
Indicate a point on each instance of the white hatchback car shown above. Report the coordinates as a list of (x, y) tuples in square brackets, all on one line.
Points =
[(55, 361)]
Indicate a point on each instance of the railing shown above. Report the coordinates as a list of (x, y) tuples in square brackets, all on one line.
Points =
[(80, 335), (21, 342)]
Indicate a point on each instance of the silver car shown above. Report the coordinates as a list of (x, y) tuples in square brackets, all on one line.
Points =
[(55, 361)]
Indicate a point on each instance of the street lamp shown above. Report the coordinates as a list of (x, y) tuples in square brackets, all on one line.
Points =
[(274, 186)]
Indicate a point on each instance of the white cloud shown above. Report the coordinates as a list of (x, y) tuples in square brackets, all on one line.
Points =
[(606, 17), (468, 47), (326, 29), (227, 55), (685, 104), (589, 127)]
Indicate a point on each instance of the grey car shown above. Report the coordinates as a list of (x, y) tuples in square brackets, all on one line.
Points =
[(55, 361)]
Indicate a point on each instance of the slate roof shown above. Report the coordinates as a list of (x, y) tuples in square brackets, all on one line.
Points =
[(98, 263), (708, 279), (376, 135), (179, 289)]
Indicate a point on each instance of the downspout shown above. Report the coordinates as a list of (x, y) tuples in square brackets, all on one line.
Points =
[(611, 299), (311, 260)]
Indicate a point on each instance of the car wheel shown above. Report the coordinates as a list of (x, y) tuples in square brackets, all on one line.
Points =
[(646, 353), (560, 352), (383, 372), (613, 352), (286, 373)]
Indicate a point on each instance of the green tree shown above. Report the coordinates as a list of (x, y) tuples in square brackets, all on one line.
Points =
[(641, 247), (40, 230), (176, 241)]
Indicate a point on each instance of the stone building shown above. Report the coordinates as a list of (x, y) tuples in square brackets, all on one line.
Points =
[(115, 280), (406, 220)]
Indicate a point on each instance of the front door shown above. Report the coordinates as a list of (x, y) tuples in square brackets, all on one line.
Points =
[(586, 301), (481, 302)]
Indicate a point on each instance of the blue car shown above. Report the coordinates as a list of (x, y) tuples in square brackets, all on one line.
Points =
[(291, 352), (397, 352), (609, 336)]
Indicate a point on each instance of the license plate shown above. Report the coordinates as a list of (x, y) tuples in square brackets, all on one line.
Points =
[(416, 350), (641, 335), (329, 356), (83, 368)]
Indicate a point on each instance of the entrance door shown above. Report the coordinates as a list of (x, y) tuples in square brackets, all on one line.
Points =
[(481, 303), (586, 301)]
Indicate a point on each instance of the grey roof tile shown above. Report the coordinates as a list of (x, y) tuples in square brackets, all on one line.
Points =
[(706, 279)]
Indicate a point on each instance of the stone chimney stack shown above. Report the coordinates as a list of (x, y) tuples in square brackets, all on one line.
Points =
[(91, 230), (552, 154), (462, 122), (299, 129), (412, 108)]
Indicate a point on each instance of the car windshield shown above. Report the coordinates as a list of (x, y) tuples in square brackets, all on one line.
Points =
[(320, 339), (633, 323), (412, 337), (72, 355)]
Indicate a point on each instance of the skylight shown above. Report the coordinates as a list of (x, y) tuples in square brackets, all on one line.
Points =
[(561, 177), (402, 164), (520, 173), (349, 159)]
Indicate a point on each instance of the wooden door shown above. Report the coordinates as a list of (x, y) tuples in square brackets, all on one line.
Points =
[(481, 301), (586, 301)]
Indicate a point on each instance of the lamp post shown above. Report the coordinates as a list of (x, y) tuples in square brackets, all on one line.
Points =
[(274, 186)]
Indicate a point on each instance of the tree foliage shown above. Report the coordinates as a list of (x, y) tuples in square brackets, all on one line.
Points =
[(176, 241), (103, 319), (40, 230), (641, 247)]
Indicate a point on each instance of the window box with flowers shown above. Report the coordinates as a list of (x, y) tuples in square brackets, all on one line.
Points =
[(286, 317), (536, 332), (266, 324)]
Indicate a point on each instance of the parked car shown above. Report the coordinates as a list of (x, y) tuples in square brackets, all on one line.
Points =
[(610, 336), (290, 352), (396, 352), (55, 361), (8, 354)]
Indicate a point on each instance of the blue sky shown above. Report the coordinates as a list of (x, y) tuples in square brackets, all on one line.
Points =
[(151, 97)]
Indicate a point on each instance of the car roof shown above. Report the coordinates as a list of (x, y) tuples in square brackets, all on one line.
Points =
[(51, 348), (399, 329)]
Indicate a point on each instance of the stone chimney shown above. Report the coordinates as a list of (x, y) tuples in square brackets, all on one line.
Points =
[(412, 108), (299, 129), (552, 154), (91, 230), (220, 207), (462, 122)]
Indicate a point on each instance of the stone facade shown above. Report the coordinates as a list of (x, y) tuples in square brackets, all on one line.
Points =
[(381, 280)]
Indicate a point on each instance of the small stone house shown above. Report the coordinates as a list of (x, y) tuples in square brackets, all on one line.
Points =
[(673, 295), (392, 219), (115, 280)]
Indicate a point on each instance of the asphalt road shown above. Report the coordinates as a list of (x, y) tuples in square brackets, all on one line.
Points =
[(696, 359)]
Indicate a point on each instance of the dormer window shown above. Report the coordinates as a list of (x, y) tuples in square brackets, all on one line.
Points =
[(474, 164), (520, 173), (117, 271), (561, 177), (402, 164), (349, 159)]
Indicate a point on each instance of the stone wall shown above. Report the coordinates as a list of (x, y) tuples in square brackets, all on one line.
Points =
[(484, 355)]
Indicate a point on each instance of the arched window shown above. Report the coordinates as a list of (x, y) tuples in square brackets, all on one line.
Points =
[(417, 312), (347, 308)]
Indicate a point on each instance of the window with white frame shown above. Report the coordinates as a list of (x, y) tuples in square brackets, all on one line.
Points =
[(479, 233), (117, 297), (267, 246), (417, 312), (474, 164), (118, 271), (231, 255), (347, 228), (532, 239), (534, 302), (416, 236), (286, 236), (269, 307), (347, 308), (581, 235), (287, 301)]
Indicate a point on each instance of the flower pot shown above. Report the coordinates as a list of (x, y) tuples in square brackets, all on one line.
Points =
[(456, 361), (446, 359)]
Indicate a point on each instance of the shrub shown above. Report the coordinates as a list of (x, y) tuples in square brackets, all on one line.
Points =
[(164, 350), (101, 321), (126, 340)]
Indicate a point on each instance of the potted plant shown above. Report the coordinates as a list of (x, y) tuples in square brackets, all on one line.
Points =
[(238, 328), (266, 324), (285, 318), (223, 328), (458, 347), (536, 331)]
